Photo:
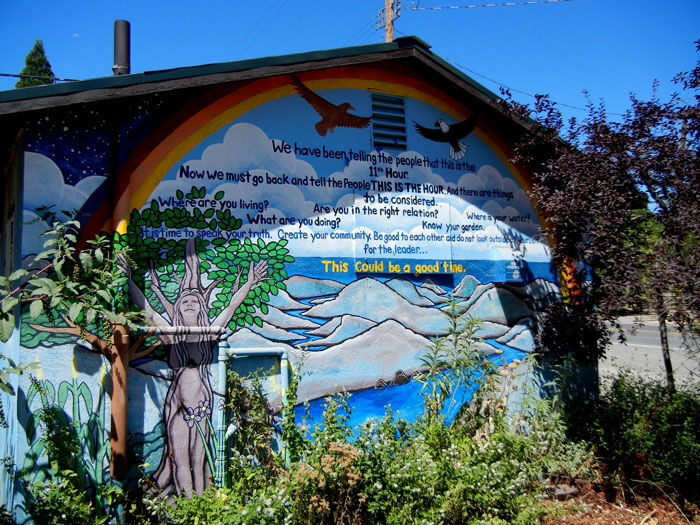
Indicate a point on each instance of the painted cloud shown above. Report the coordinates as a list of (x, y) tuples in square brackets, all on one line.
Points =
[(45, 186), (488, 202)]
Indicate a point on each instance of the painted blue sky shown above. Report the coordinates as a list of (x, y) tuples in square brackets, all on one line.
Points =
[(607, 47)]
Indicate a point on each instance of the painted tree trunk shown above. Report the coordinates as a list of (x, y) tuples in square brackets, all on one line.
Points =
[(187, 463), (120, 397)]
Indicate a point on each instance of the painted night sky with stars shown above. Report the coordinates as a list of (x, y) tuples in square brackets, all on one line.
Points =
[(78, 149), (72, 153), (78, 139)]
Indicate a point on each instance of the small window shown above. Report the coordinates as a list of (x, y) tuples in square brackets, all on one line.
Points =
[(388, 123)]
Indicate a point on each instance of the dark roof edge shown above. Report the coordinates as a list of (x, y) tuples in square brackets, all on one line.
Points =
[(47, 96), (116, 82)]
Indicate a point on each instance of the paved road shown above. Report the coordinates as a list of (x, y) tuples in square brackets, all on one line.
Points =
[(642, 353)]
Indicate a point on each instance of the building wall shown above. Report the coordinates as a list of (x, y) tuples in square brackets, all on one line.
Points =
[(244, 211), (10, 239)]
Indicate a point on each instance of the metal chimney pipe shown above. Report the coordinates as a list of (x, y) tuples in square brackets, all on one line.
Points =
[(122, 48)]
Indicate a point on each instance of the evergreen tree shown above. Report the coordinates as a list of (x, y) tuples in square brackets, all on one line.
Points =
[(36, 65)]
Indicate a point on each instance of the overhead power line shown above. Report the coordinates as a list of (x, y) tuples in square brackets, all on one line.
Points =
[(506, 4), (500, 84), (52, 79), (417, 7)]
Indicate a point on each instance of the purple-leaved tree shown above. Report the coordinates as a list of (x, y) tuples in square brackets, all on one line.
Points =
[(622, 201)]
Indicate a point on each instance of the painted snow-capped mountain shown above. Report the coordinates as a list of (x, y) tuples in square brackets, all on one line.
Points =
[(375, 301), (410, 292), (466, 286), (285, 302), (380, 352), (302, 287), (354, 336), (280, 319), (344, 327), (433, 287), (498, 305)]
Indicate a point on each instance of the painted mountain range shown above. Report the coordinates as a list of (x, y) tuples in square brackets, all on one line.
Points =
[(349, 337)]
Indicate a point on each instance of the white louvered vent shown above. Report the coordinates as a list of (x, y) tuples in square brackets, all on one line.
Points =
[(388, 122)]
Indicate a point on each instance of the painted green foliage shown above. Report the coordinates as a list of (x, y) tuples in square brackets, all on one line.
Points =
[(32, 338), (155, 240), (84, 440), (157, 237), (155, 244)]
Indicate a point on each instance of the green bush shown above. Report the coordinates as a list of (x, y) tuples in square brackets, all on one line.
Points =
[(395, 472), (60, 503), (645, 434), (225, 506)]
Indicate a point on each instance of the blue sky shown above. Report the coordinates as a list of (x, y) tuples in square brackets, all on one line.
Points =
[(607, 47)]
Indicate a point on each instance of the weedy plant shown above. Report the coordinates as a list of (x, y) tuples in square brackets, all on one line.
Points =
[(75, 478), (78, 291), (254, 448), (453, 363), (486, 466), (646, 435)]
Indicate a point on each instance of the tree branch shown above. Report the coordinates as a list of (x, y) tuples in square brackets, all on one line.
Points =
[(97, 343), (237, 283), (209, 289), (167, 305), (138, 342), (144, 353), (20, 289)]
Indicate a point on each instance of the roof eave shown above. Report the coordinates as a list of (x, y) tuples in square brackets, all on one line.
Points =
[(110, 88), (40, 97)]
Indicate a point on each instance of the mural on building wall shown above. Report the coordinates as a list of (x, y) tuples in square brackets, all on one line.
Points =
[(239, 278), (380, 239), (304, 235), (70, 407)]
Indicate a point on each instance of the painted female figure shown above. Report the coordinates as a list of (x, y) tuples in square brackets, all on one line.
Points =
[(183, 467)]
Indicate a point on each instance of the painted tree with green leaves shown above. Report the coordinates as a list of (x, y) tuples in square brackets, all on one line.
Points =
[(194, 280), (166, 253), (157, 237)]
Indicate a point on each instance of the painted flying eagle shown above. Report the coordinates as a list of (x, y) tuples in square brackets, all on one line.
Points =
[(443, 132), (331, 114)]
